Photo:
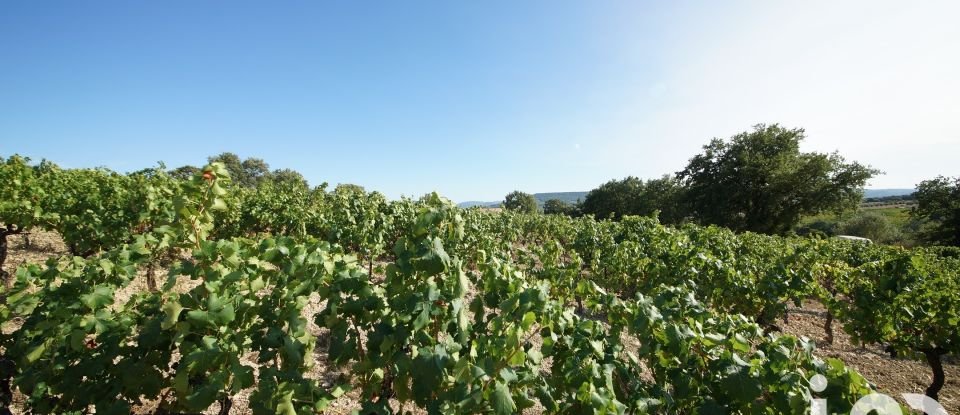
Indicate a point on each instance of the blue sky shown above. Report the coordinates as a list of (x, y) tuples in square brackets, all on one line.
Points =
[(475, 99)]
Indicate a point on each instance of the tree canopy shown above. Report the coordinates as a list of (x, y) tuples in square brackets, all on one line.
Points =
[(184, 172), (521, 202), (349, 188), (760, 181), (633, 196), (288, 176), (246, 173), (559, 207), (938, 209)]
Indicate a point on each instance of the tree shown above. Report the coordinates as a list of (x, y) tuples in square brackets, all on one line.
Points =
[(661, 195), (254, 170), (633, 196), (872, 226), (184, 172), (246, 173), (349, 188), (520, 202), (938, 210), (288, 176), (613, 199), (559, 207), (760, 181)]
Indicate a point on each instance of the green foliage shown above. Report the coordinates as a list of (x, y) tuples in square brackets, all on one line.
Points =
[(250, 299), (907, 300), (559, 207), (357, 220), (291, 177), (760, 181), (632, 196), (613, 199), (349, 188), (21, 205), (21, 197), (92, 209), (274, 207), (938, 209), (184, 172), (818, 228), (888, 225), (431, 344), (902, 299), (520, 202), (245, 173), (467, 311), (870, 225)]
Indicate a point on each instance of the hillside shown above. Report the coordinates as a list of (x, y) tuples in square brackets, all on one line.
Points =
[(868, 193), (569, 197), (573, 197)]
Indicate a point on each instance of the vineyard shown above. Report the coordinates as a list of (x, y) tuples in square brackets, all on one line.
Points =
[(190, 296)]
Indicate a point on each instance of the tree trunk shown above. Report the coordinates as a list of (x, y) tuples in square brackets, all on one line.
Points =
[(3, 257), (386, 388), (891, 351), (933, 359), (151, 278), (771, 328), (828, 327), (6, 391), (225, 404), (4, 232)]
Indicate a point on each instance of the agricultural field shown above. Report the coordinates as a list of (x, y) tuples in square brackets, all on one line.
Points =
[(144, 293), (497, 208)]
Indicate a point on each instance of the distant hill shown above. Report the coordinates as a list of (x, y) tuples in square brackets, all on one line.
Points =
[(868, 193), (573, 197), (569, 197), (472, 203)]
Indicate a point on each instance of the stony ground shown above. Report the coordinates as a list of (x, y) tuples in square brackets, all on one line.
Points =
[(891, 376)]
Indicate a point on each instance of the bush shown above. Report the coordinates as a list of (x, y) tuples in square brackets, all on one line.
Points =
[(822, 228), (559, 207), (870, 225)]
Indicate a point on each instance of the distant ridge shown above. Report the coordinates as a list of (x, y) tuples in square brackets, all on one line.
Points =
[(887, 192), (573, 197), (569, 197)]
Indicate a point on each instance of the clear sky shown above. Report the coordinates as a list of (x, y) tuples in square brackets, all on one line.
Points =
[(477, 98)]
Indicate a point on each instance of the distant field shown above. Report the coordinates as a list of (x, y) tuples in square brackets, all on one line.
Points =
[(897, 214), (900, 204)]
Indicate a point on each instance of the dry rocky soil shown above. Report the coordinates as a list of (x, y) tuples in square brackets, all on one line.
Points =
[(891, 376)]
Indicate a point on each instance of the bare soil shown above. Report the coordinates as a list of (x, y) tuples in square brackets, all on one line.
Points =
[(891, 376)]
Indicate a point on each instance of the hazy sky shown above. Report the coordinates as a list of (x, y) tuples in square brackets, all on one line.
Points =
[(475, 99)]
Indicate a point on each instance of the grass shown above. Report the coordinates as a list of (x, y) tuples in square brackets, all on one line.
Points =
[(898, 216)]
